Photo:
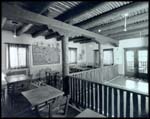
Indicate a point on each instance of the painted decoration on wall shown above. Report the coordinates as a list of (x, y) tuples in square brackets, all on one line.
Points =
[(43, 55)]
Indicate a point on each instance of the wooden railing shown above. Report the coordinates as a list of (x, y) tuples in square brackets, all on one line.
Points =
[(98, 74), (105, 99)]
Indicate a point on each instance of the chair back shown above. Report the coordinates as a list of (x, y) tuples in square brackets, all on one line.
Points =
[(60, 104)]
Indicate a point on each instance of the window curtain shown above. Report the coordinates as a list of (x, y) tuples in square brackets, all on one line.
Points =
[(17, 56), (72, 55), (108, 57)]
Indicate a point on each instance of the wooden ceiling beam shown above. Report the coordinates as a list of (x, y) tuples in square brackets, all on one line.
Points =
[(129, 27), (78, 10), (88, 41), (135, 6), (52, 35), (26, 27), (76, 38), (17, 13), (83, 39), (40, 32), (23, 29), (130, 20)]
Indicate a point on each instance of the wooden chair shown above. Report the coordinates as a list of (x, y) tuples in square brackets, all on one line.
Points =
[(2, 94), (58, 108)]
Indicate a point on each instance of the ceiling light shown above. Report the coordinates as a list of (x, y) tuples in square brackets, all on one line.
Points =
[(99, 30), (124, 29), (126, 14), (14, 35)]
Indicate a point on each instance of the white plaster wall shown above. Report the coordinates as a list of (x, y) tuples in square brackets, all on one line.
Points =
[(7, 37), (27, 39), (88, 48)]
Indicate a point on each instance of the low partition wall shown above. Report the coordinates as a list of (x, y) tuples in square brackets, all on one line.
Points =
[(98, 74), (111, 101)]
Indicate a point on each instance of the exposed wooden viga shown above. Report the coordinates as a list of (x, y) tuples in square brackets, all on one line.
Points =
[(109, 72)]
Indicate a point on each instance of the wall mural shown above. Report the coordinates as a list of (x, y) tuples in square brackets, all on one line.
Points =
[(43, 55)]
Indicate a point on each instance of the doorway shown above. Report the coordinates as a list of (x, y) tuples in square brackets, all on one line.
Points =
[(136, 62), (96, 57)]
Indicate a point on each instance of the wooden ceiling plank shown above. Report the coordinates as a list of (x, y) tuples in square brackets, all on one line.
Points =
[(119, 23), (136, 6), (25, 28), (78, 10)]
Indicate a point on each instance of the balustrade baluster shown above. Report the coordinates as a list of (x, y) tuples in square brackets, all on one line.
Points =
[(73, 89), (121, 103), (76, 91), (110, 102), (100, 98), (79, 90), (128, 104), (85, 93), (135, 105), (105, 100), (96, 98), (115, 103), (92, 105), (82, 92), (143, 107), (88, 94)]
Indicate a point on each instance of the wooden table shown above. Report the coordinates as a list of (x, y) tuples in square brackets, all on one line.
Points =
[(89, 113), (4, 83), (16, 83), (41, 95), (16, 78), (3, 87)]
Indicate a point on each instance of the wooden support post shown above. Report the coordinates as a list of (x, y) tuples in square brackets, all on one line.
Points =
[(3, 22), (65, 64), (101, 59)]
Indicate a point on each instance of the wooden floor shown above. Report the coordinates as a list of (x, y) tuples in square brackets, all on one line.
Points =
[(21, 108), (131, 83)]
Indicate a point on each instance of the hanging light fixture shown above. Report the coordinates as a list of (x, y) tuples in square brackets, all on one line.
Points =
[(14, 33), (125, 23), (140, 35), (99, 30)]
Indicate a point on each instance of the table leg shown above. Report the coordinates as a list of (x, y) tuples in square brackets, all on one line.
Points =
[(50, 113), (37, 111)]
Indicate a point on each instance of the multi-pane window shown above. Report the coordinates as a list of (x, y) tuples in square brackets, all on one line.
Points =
[(108, 57), (142, 63), (72, 55), (130, 61), (17, 56)]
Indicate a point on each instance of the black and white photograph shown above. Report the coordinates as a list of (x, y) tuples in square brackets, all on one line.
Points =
[(74, 59)]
